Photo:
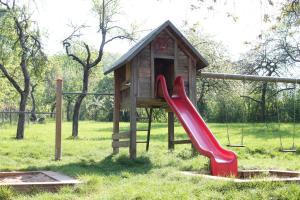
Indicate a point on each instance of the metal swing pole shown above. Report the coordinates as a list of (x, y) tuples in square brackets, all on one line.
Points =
[(293, 148), (278, 118), (226, 121), (244, 116), (227, 127), (294, 123)]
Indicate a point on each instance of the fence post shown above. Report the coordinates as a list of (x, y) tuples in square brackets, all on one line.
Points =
[(58, 118)]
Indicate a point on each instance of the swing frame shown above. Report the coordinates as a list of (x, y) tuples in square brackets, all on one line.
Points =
[(293, 148), (244, 78)]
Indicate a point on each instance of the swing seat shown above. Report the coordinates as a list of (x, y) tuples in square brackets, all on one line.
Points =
[(235, 145), (288, 150)]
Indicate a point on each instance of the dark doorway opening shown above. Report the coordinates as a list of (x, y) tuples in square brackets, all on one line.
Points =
[(165, 67)]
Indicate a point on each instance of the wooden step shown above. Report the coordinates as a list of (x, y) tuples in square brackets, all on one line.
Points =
[(141, 141), (142, 130), (118, 144), (182, 142), (120, 135)]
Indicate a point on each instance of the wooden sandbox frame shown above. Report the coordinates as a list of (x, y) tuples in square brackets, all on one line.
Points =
[(53, 181), (247, 176)]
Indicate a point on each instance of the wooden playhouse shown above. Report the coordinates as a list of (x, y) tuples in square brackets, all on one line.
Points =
[(163, 51)]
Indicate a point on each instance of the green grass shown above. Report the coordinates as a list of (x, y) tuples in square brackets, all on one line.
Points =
[(154, 174)]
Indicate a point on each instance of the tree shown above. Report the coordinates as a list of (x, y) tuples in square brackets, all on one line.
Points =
[(21, 53), (33, 116), (264, 59), (216, 55), (109, 30), (288, 30)]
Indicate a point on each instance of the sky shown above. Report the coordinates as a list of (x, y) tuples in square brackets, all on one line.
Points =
[(55, 16)]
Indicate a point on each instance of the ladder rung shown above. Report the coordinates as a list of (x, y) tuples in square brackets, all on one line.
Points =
[(142, 130), (235, 145), (182, 141), (118, 144), (120, 135)]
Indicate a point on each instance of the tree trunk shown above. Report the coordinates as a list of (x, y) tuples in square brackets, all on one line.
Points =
[(263, 101), (85, 83), (69, 109), (53, 106), (201, 101), (32, 114), (21, 119)]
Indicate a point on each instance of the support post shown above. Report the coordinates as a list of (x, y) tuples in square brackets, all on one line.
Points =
[(58, 118), (192, 91), (133, 93), (170, 130), (116, 125)]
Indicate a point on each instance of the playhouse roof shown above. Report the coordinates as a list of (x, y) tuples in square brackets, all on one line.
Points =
[(139, 46)]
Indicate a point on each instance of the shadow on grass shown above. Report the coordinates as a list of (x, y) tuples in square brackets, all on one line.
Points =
[(110, 165)]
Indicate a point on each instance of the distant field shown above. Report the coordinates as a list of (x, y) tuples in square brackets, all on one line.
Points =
[(154, 174)]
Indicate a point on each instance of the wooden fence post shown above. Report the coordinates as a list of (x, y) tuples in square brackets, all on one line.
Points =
[(58, 118)]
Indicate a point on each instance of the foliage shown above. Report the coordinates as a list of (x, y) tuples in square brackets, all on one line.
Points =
[(6, 193)]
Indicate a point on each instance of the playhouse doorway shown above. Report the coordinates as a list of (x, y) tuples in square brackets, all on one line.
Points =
[(165, 67)]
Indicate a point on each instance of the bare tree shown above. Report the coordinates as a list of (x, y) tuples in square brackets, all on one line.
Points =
[(109, 30), (19, 33), (265, 59)]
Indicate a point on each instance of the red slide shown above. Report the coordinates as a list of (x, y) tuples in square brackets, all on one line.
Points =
[(222, 162)]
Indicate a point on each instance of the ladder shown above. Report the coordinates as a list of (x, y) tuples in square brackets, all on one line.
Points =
[(148, 118)]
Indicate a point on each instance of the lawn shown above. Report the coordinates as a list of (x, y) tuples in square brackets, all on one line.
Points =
[(154, 174)]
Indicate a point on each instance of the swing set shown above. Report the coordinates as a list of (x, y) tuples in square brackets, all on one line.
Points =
[(245, 78), (293, 147)]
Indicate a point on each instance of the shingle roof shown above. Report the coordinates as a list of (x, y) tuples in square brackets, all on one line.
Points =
[(139, 46)]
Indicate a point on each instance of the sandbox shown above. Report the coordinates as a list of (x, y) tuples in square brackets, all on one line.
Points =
[(41, 180), (246, 176)]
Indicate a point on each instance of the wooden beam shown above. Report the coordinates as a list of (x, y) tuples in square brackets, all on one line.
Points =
[(170, 130), (182, 142), (117, 107), (190, 79), (127, 72), (176, 59), (243, 77), (58, 118), (133, 93), (117, 136), (164, 56), (118, 144), (152, 70)]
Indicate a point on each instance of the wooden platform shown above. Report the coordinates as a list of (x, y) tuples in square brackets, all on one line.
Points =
[(246, 176), (42, 180)]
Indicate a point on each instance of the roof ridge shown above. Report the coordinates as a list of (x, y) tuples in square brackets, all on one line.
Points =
[(135, 49)]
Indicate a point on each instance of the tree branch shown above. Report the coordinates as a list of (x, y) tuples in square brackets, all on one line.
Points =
[(257, 101), (11, 79), (73, 56), (122, 37), (88, 59), (281, 90)]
